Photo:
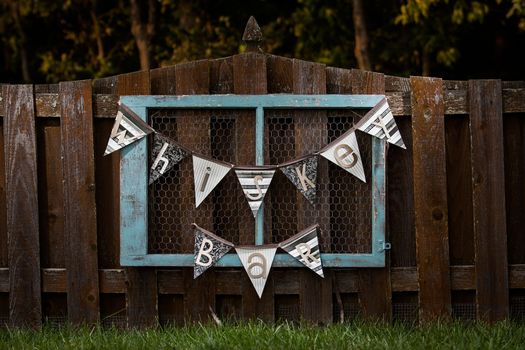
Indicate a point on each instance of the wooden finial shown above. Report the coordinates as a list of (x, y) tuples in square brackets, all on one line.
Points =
[(252, 36)]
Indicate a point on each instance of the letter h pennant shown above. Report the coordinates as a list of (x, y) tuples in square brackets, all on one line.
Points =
[(165, 154), (209, 248)]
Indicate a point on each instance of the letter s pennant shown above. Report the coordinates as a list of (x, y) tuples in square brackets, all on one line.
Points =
[(209, 248), (344, 152), (304, 247)]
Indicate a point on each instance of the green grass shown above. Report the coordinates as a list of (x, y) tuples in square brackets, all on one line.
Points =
[(284, 336)]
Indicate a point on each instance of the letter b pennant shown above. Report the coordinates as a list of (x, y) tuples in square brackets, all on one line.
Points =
[(209, 248)]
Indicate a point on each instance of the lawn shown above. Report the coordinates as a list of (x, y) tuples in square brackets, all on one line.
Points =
[(282, 336)]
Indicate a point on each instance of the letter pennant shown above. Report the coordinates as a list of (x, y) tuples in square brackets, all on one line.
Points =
[(209, 248), (304, 247), (255, 182), (344, 152), (380, 122), (303, 174), (207, 174), (127, 129), (257, 261), (165, 154)]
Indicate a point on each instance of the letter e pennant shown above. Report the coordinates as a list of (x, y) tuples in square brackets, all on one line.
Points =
[(165, 154), (303, 174), (344, 152), (304, 247), (380, 122), (255, 182), (257, 261), (207, 174), (209, 248), (128, 128)]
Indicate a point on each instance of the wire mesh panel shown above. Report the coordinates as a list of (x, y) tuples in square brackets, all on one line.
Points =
[(345, 203)]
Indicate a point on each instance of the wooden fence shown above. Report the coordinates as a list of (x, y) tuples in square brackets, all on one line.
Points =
[(456, 204)]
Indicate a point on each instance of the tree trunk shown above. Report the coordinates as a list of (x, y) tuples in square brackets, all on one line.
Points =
[(96, 33), (361, 36), (425, 61), (22, 41), (143, 32)]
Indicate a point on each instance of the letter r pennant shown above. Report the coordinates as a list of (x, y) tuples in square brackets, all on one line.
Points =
[(209, 248), (304, 247)]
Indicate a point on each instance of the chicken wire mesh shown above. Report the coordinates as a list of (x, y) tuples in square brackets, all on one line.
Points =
[(344, 203)]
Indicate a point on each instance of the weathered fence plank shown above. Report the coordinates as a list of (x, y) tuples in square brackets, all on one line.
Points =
[(25, 308), (488, 197), (375, 294), (141, 298), (430, 198), (80, 220)]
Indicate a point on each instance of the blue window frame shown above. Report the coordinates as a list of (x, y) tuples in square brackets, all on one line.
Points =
[(134, 177)]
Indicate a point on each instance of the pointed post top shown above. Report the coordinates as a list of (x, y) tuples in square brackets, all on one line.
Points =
[(252, 36)]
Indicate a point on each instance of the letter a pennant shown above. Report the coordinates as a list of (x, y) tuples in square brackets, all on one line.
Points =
[(207, 174), (304, 247), (344, 152), (303, 174), (257, 261), (128, 128), (165, 154), (380, 122), (255, 182), (209, 248)]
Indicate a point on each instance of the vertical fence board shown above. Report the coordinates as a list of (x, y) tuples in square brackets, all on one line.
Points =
[(25, 308), (141, 298), (430, 198), (3, 219), (80, 220), (488, 198), (310, 136), (250, 77), (375, 294)]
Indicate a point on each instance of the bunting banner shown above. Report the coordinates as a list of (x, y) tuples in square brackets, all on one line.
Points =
[(209, 248), (165, 154), (207, 173), (257, 261), (303, 174), (380, 122), (255, 182), (127, 129), (304, 247), (344, 152)]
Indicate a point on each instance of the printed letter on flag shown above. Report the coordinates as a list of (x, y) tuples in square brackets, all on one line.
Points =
[(380, 122), (303, 174), (257, 261), (207, 174), (165, 154), (209, 248), (127, 129), (345, 152), (255, 182), (304, 247)]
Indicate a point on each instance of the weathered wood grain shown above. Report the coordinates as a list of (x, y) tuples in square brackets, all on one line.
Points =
[(23, 247), (80, 220), (488, 198), (3, 219), (141, 297), (430, 198), (375, 295)]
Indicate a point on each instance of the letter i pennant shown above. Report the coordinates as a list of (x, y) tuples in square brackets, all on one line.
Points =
[(207, 174), (209, 248), (257, 261), (165, 154), (304, 247)]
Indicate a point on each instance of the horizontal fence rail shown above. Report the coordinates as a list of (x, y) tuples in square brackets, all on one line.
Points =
[(455, 203)]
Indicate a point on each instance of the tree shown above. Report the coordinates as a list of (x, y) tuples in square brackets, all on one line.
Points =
[(143, 31)]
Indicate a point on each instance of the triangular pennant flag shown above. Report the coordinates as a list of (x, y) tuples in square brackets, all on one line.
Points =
[(303, 174), (207, 174), (257, 261), (304, 247), (345, 153), (255, 182), (209, 248), (165, 154), (380, 122), (128, 128)]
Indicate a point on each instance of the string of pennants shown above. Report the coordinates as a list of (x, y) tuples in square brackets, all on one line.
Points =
[(255, 180), (257, 260)]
